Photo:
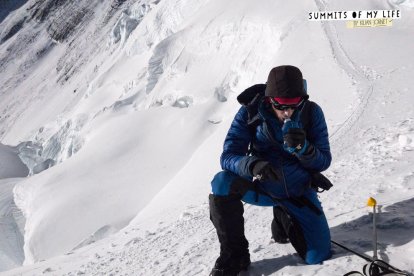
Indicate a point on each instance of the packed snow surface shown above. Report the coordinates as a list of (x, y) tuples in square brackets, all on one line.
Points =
[(113, 115)]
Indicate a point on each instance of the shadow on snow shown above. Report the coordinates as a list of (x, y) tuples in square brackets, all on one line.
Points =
[(395, 224)]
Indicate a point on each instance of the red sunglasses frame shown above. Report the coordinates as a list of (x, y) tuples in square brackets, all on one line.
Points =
[(282, 107)]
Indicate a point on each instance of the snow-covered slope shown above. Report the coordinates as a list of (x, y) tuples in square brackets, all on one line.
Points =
[(129, 102)]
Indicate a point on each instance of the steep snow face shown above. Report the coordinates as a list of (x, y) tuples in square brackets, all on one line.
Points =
[(43, 46)]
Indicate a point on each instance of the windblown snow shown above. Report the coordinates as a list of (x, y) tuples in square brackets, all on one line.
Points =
[(113, 115)]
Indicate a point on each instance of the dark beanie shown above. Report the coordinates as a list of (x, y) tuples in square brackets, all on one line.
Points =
[(285, 81)]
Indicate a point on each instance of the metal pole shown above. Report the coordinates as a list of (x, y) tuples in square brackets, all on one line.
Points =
[(373, 203), (374, 219)]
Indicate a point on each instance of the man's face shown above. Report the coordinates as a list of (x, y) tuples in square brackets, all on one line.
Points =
[(283, 114)]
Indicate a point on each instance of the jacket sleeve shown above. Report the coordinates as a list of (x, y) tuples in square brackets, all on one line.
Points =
[(236, 145), (318, 158)]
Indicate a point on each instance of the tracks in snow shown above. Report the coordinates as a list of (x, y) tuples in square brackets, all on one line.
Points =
[(355, 73)]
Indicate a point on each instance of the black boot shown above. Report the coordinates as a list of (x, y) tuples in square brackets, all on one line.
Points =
[(226, 213), (286, 228), (278, 232)]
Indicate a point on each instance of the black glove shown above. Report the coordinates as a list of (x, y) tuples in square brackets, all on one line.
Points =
[(320, 181), (295, 140), (264, 171)]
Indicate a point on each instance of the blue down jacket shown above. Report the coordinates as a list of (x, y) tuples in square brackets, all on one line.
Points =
[(268, 144)]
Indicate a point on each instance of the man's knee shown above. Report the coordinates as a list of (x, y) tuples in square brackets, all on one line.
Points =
[(226, 182), (316, 256), (220, 185), (318, 241)]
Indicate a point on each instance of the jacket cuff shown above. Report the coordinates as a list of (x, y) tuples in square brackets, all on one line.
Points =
[(308, 154), (246, 165)]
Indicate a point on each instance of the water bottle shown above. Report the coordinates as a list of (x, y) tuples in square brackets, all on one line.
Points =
[(288, 123)]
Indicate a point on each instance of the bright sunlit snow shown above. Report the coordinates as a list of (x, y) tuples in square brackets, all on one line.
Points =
[(113, 116)]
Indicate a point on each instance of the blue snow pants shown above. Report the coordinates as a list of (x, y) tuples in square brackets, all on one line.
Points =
[(313, 226)]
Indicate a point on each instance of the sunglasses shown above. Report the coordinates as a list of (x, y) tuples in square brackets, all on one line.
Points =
[(282, 107)]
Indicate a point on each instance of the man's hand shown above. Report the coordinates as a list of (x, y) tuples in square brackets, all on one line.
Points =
[(295, 141), (264, 171)]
